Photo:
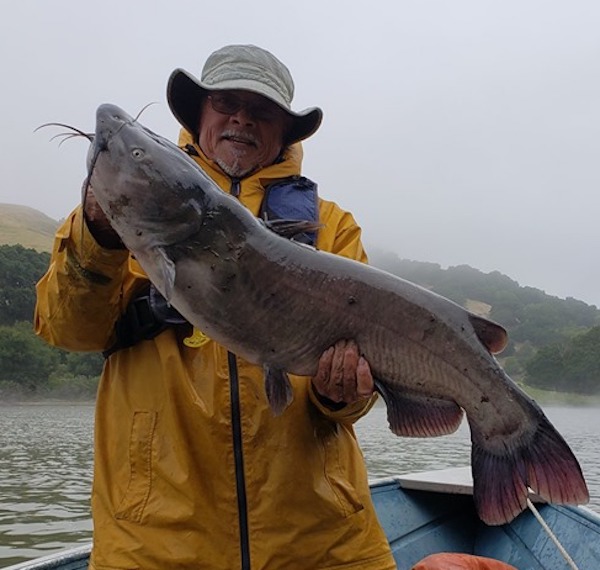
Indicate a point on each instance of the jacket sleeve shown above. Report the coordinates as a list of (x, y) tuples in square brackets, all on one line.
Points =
[(340, 234), (80, 297)]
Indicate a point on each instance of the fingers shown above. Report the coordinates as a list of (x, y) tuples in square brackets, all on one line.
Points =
[(365, 386), (93, 211), (321, 380), (350, 366), (338, 371), (97, 222), (343, 375)]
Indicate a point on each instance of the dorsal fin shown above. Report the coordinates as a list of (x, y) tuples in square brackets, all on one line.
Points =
[(493, 336), (290, 228)]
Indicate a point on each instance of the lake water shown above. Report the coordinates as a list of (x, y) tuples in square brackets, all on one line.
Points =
[(46, 468)]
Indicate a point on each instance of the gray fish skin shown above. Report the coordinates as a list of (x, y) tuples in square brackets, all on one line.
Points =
[(228, 275)]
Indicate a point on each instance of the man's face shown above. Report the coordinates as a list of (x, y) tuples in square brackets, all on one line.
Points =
[(241, 131)]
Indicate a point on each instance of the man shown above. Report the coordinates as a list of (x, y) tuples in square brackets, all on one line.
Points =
[(192, 469)]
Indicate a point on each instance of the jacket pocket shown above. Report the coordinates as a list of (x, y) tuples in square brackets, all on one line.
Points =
[(337, 471), (134, 501)]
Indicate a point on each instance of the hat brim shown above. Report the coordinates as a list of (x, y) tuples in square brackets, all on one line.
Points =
[(185, 95)]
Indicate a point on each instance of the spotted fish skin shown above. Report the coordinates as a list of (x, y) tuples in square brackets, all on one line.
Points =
[(228, 274)]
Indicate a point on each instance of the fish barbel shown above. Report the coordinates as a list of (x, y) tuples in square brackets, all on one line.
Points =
[(228, 274)]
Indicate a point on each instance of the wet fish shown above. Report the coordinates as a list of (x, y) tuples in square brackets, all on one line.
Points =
[(228, 274)]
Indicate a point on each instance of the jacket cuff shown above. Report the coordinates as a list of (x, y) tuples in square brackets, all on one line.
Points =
[(92, 259), (348, 413)]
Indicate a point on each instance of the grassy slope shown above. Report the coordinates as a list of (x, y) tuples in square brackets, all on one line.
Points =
[(26, 226)]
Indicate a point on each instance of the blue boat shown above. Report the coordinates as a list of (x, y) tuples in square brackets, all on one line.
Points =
[(426, 513)]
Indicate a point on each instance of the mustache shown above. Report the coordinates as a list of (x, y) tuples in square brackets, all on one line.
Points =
[(242, 136)]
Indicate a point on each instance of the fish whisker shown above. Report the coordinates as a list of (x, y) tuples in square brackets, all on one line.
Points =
[(76, 132), (67, 136), (143, 109)]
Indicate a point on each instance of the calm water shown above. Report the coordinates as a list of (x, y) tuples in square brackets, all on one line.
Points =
[(46, 466)]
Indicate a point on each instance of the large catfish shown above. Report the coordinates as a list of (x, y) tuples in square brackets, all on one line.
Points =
[(280, 304)]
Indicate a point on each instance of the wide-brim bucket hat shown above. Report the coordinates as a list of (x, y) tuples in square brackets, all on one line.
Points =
[(244, 67)]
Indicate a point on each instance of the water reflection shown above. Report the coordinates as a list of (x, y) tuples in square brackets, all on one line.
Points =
[(46, 468), (45, 479)]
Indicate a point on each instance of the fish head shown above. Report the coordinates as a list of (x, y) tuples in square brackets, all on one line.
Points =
[(149, 189)]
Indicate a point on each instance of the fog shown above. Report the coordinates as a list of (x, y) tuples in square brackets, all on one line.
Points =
[(457, 132)]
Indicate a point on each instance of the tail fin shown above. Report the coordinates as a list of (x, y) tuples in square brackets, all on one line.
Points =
[(544, 462)]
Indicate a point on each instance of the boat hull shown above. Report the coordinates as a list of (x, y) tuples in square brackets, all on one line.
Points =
[(425, 513)]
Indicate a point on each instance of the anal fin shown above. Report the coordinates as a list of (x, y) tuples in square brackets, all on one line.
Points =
[(417, 415)]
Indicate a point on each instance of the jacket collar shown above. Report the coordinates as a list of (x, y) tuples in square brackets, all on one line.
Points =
[(289, 165)]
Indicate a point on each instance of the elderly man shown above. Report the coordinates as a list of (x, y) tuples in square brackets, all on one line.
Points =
[(192, 469)]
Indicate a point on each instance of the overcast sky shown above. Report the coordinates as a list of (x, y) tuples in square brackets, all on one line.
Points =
[(456, 131)]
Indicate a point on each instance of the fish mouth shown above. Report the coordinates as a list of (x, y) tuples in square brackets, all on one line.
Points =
[(110, 119)]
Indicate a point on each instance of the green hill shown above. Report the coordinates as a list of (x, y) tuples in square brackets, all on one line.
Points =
[(26, 226)]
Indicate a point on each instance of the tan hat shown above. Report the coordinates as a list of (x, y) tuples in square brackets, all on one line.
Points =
[(245, 67)]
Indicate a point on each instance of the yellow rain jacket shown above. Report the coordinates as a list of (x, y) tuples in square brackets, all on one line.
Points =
[(192, 469)]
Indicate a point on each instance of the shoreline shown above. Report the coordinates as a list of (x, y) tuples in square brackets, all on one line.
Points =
[(542, 397), (48, 402)]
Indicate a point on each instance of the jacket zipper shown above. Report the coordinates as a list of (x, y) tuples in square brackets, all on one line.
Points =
[(240, 479), (238, 451), (235, 188)]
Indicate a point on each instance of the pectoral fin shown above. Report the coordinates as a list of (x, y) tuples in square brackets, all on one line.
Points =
[(168, 271), (416, 415), (278, 388)]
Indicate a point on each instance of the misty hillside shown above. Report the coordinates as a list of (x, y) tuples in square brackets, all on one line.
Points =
[(530, 315), (26, 226)]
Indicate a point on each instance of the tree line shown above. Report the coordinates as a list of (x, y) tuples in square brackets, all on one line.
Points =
[(553, 342), (29, 367), (562, 366)]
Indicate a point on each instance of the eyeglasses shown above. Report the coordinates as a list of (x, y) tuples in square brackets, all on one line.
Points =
[(230, 104)]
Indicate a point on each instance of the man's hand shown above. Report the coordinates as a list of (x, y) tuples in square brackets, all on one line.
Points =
[(343, 376), (98, 223)]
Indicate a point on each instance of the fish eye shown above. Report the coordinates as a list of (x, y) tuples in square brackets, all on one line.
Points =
[(137, 153)]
